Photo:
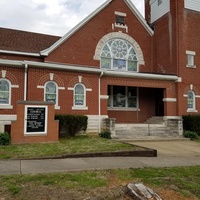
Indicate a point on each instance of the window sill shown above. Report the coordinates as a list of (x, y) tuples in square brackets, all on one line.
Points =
[(34, 134), (79, 108), (192, 110), (123, 109), (191, 66), (57, 107), (6, 107)]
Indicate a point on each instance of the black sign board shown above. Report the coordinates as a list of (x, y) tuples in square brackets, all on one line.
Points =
[(35, 119)]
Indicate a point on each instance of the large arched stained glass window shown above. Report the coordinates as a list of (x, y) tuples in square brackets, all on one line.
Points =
[(51, 92), (79, 95), (119, 54), (4, 91)]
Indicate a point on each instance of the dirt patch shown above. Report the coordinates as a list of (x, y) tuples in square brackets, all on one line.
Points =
[(41, 192)]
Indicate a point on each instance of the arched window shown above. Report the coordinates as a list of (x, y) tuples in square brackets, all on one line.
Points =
[(51, 92), (79, 95), (119, 54), (191, 100), (5, 92)]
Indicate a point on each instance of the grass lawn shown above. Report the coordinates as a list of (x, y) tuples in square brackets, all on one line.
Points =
[(70, 145), (184, 182)]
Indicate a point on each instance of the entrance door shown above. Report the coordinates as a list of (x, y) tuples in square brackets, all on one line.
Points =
[(159, 104)]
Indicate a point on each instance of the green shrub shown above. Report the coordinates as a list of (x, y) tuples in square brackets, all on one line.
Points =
[(71, 124), (105, 134), (191, 123), (190, 134), (4, 139)]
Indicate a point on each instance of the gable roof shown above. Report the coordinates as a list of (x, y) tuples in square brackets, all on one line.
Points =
[(47, 51), (24, 42)]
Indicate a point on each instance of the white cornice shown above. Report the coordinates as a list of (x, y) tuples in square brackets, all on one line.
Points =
[(20, 53), (90, 70), (141, 75)]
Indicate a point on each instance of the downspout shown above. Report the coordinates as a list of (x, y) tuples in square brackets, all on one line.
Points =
[(25, 81), (99, 121)]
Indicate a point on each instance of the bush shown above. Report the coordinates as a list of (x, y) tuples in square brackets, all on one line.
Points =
[(105, 134), (71, 124), (192, 123), (190, 134), (4, 139)]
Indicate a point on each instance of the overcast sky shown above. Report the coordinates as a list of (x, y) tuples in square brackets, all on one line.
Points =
[(54, 17)]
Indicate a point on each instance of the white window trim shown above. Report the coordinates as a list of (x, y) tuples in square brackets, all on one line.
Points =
[(124, 108), (125, 59), (56, 105), (8, 106), (193, 109), (25, 123), (80, 107), (191, 53)]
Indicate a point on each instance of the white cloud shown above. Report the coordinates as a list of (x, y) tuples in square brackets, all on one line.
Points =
[(48, 16)]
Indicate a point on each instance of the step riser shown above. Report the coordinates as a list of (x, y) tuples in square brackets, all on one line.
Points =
[(141, 130)]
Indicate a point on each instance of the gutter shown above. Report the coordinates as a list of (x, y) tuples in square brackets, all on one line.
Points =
[(20, 53), (99, 122), (86, 69), (25, 81)]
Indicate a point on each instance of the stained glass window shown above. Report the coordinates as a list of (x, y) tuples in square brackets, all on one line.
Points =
[(4, 91), (191, 100), (51, 92), (119, 54), (79, 95)]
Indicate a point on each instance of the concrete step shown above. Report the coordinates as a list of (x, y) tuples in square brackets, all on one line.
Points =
[(128, 131), (155, 120)]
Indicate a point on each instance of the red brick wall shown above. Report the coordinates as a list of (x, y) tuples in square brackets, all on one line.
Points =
[(17, 128), (80, 47), (64, 79), (16, 77)]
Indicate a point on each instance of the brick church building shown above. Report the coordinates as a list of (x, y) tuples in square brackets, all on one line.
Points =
[(113, 64)]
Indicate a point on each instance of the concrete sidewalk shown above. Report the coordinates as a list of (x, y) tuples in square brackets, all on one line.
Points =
[(170, 154)]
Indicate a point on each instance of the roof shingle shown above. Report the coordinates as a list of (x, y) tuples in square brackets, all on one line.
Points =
[(22, 41)]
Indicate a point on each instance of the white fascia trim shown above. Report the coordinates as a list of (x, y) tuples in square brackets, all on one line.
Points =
[(104, 97), (141, 75), (79, 108), (8, 117), (169, 99), (90, 70), (88, 89), (6, 107), (40, 86), (11, 62), (61, 88), (14, 86), (120, 14), (191, 52), (47, 51), (63, 67), (139, 17), (20, 53)]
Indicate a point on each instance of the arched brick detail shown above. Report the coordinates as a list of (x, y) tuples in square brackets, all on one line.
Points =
[(195, 89), (46, 78), (75, 80), (11, 78), (124, 36)]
